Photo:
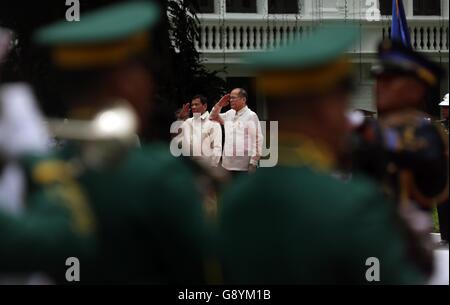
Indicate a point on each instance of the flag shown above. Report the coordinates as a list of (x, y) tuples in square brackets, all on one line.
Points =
[(400, 30)]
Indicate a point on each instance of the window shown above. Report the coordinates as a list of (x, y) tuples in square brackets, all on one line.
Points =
[(283, 6), (386, 7), (427, 7), (203, 6), (241, 6)]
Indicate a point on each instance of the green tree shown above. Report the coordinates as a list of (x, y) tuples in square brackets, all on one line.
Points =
[(181, 73), (189, 75)]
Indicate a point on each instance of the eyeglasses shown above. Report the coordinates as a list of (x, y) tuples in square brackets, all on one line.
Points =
[(234, 97)]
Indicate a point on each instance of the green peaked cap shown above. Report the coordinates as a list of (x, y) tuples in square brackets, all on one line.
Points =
[(108, 24)]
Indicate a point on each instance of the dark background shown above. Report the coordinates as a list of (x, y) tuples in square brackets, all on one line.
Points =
[(179, 75)]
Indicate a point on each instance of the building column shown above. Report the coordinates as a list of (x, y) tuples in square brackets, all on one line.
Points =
[(340, 5), (351, 6), (219, 6), (308, 7), (409, 8), (262, 7), (444, 8)]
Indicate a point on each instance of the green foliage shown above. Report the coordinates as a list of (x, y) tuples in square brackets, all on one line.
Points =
[(435, 221), (189, 76)]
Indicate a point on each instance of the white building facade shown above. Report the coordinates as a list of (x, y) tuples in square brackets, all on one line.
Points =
[(230, 29)]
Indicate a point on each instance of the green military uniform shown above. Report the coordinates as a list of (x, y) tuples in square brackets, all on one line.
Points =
[(294, 223), (56, 225), (149, 219), (124, 225), (137, 221)]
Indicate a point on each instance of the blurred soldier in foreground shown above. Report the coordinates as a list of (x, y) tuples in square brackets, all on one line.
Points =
[(129, 215), (22, 131), (405, 150), (307, 227), (443, 211)]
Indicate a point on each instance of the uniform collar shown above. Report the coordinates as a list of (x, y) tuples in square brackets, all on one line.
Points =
[(296, 150)]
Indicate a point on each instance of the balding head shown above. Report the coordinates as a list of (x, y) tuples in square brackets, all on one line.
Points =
[(238, 99)]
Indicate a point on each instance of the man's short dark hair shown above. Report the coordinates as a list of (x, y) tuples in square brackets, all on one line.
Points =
[(202, 99), (243, 93)]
